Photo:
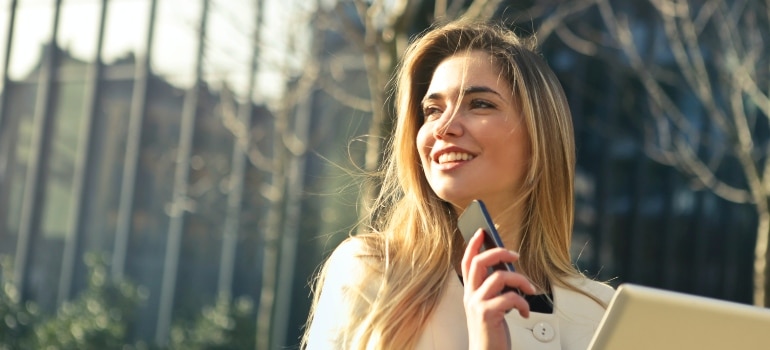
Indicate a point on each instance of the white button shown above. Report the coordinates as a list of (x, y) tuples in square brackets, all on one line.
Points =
[(543, 332)]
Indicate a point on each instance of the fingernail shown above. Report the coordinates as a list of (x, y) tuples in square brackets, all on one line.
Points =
[(514, 253)]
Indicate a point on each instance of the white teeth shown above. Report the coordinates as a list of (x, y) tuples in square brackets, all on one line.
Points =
[(453, 157)]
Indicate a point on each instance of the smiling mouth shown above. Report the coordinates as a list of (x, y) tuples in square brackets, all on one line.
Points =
[(454, 157)]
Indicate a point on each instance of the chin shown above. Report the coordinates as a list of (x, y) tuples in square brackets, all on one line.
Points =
[(456, 199)]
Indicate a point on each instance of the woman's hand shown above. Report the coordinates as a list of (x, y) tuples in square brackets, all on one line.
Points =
[(485, 307)]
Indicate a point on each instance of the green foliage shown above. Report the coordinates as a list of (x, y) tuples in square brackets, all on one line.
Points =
[(229, 324), (18, 318), (100, 316), (96, 319)]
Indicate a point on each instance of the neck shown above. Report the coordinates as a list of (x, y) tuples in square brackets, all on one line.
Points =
[(509, 220)]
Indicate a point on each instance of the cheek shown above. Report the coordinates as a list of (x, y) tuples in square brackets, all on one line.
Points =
[(424, 142), (510, 148), (519, 156)]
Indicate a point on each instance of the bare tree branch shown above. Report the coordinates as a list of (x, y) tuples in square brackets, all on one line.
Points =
[(678, 152), (345, 98), (440, 9), (744, 149), (481, 9), (455, 9), (690, 161), (622, 33), (556, 20), (688, 55), (240, 132), (731, 105), (575, 42), (707, 10)]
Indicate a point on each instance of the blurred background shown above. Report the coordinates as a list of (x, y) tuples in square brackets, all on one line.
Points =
[(172, 172)]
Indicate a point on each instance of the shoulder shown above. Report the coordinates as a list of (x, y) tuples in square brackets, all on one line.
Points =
[(580, 307), (345, 254), (583, 295), (351, 257), (350, 267), (344, 293), (600, 290)]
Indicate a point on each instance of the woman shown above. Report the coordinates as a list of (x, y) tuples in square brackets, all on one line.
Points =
[(479, 116)]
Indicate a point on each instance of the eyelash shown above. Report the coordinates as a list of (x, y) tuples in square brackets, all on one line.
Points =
[(429, 111), (478, 103)]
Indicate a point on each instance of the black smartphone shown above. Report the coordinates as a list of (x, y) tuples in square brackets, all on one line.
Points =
[(477, 217)]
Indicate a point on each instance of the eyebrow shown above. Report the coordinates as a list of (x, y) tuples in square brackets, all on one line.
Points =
[(476, 89), (467, 91)]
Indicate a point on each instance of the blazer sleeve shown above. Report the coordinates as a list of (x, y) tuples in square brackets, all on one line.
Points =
[(340, 305)]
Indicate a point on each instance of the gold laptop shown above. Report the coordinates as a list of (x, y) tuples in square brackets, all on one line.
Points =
[(647, 318)]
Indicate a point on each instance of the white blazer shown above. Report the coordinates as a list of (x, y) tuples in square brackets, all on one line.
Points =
[(571, 325)]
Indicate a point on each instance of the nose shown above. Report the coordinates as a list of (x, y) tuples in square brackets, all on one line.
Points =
[(449, 126)]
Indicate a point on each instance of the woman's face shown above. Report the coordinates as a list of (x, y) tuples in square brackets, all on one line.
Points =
[(473, 146)]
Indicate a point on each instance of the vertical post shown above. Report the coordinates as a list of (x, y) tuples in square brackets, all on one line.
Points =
[(603, 235), (179, 200), (235, 196), (702, 224), (290, 237), (5, 137), (133, 149), (670, 237), (34, 189), (632, 247), (272, 228), (72, 243)]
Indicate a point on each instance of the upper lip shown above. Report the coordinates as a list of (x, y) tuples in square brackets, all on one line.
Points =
[(437, 152)]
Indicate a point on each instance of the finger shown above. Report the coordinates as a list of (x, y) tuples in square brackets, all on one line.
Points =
[(494, 284), (471, 250), (508, 301), (494, 256), (479, 266)]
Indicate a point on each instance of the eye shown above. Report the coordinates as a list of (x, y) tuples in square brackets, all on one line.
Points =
[(479, 103), (431, 112)]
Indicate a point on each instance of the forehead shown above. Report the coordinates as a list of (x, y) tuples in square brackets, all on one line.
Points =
[(475, 68)]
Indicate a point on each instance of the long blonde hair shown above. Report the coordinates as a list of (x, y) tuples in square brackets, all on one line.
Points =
[(413, 243)]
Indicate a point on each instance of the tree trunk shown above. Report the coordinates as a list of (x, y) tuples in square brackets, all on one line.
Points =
[(760, 260)]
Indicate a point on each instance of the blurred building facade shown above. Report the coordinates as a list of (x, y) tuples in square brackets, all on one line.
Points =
[(111, 156)]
